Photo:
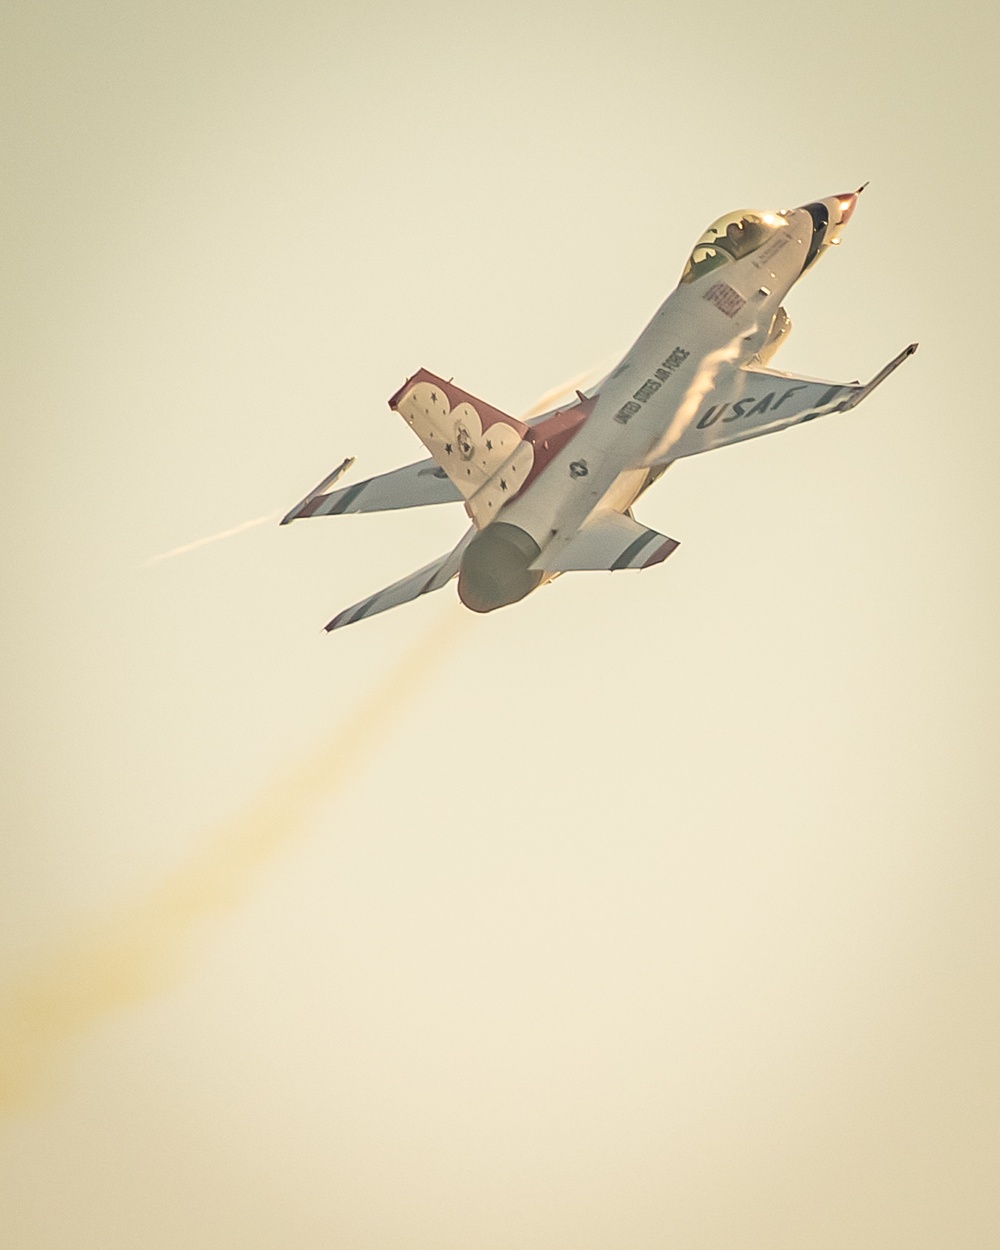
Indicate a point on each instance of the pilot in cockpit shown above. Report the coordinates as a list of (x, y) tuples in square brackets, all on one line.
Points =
[(735, 239)]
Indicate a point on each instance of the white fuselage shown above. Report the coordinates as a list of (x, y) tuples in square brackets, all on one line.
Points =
[(653, 394), (554, 495)]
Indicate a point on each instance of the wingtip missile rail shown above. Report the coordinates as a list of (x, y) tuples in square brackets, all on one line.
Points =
[(328, 481)]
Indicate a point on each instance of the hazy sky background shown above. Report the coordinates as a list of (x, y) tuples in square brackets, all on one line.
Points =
[(665, 914)]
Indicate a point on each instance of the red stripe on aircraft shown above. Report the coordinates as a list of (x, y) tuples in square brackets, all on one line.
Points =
[(661, 553)]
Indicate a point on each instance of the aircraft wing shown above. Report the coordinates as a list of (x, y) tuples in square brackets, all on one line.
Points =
[(412, 486), (431, 577), (748, 402), (609, 541)]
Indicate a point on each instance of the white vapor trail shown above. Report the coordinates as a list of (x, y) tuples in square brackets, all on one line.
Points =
[(212, 538), (549, 399)]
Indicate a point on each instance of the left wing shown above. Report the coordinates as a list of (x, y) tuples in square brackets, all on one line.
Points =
[(412, 486), (747, 402)]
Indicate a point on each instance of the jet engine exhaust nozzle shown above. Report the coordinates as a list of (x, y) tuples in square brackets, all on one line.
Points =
[(495, 568)]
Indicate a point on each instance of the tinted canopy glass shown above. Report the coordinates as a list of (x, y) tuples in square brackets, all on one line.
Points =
[(730, 238)]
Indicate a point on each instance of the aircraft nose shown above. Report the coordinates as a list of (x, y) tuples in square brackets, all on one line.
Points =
[(846, 203)]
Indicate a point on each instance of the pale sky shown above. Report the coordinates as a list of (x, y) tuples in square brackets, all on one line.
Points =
[(658, 910)]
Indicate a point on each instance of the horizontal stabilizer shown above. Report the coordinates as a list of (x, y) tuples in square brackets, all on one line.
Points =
[(610, 541), (430, 577)]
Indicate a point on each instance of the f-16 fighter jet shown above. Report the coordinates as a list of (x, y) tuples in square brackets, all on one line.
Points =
[(554, 494)]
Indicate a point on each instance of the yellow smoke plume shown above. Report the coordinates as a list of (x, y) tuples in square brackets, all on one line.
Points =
[(139, 950)]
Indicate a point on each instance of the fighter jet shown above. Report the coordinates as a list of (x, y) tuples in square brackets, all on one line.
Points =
[(554, 494)]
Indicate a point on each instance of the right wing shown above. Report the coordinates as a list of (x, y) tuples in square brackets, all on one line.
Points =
[(747, 402), (430, 577)]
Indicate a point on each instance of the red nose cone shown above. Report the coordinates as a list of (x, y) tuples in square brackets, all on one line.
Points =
[(847, 203)]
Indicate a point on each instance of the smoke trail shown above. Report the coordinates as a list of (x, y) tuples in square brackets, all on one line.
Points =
[(139, 951), (212, 538)]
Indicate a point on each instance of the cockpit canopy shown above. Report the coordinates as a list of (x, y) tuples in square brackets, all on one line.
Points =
[(731, 238)]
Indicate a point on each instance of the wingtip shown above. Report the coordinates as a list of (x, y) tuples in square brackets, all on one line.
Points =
[(328, 481), (337, 620)]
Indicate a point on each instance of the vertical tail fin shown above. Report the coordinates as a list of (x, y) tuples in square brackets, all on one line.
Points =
[(483, 451)]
